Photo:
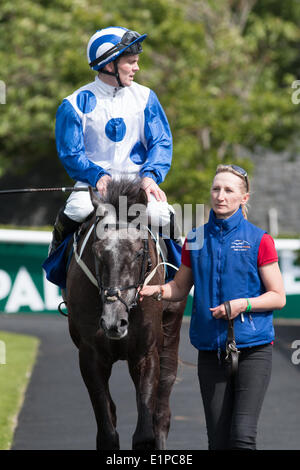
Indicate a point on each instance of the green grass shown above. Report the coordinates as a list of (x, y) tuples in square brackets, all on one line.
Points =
[(26, 227), (17, 357)]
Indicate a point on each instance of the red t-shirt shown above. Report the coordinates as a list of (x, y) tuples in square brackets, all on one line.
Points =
[(266, 253)]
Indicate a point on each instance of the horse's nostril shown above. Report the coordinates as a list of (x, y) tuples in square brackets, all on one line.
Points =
[(123, 323)]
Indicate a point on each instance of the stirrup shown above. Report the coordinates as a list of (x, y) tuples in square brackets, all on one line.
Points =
[(59, 308)]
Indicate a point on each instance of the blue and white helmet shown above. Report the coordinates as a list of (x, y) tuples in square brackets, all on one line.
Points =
[(108, 43)]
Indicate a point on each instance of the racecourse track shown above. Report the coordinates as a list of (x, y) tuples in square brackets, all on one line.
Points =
[(57, 414)]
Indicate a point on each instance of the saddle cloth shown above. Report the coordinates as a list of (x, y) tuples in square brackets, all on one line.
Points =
[(56, 265)]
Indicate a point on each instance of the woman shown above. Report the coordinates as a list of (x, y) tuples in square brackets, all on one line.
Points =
[(236, 262)]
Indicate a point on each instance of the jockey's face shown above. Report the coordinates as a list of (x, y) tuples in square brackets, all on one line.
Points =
[(128, 66)]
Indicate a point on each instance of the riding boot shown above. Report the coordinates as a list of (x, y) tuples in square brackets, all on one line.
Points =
[(175, 234), (62, 227), (173, 245)]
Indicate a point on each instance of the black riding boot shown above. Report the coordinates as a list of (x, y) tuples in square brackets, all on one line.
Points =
[(62, 227), (175, 233)]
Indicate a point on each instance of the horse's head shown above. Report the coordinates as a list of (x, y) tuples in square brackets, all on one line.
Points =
[(121, 260)]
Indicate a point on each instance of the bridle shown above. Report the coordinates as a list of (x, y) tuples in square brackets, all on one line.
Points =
[(113, 293)]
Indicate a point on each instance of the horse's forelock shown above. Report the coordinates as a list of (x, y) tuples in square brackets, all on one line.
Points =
[(123, 187), (113, 237), (129, 188)]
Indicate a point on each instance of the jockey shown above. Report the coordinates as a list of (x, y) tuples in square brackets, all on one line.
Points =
[(110, 128)]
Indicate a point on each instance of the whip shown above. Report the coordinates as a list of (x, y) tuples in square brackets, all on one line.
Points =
[(41, 190)]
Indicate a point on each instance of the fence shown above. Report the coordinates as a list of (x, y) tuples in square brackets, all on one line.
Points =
[(24, 288)]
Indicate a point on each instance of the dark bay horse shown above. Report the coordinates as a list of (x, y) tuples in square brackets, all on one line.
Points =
[(107, 323)]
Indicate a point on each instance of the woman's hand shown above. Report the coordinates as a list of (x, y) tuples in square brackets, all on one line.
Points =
[(173, 291), (272, 299), (237, 306), (149, 291)]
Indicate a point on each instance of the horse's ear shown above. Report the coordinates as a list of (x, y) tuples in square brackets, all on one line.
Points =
[(95, 200), (100, 208)]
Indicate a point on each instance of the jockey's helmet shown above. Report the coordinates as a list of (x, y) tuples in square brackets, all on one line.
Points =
[(109, 43)]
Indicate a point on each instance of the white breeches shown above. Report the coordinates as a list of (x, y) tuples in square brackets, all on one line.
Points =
[(79, 206)]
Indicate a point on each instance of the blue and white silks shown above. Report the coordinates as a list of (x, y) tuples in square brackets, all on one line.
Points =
[(105, 130), (117, 131)]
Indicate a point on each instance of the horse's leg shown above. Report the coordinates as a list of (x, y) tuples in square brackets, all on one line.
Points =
[(96, 374), (145, 375), (168, 370)]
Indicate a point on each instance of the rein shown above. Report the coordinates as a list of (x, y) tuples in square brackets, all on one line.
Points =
[(78, 259), (232, 352)]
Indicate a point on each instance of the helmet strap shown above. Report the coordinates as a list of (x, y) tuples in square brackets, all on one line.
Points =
[(117, 73), (114, 74)]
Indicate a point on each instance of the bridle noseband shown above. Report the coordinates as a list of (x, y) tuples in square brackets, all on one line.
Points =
[(113, 293)]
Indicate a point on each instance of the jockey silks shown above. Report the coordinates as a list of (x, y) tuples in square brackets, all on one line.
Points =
[(105, 130), (225, 268)]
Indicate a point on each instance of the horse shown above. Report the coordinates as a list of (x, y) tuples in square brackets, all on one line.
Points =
[(107, 322)]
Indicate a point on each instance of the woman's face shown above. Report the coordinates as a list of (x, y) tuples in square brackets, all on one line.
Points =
[(227, 194)]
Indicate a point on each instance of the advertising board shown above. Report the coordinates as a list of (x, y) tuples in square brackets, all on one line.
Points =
[(24, 288)]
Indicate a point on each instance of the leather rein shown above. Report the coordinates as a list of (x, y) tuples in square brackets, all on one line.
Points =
[(232, 352)]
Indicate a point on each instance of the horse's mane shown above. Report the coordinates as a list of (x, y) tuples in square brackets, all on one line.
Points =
[(130, 188)]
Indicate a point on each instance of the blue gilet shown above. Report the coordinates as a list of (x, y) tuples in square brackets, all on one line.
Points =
[(224, 264)]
